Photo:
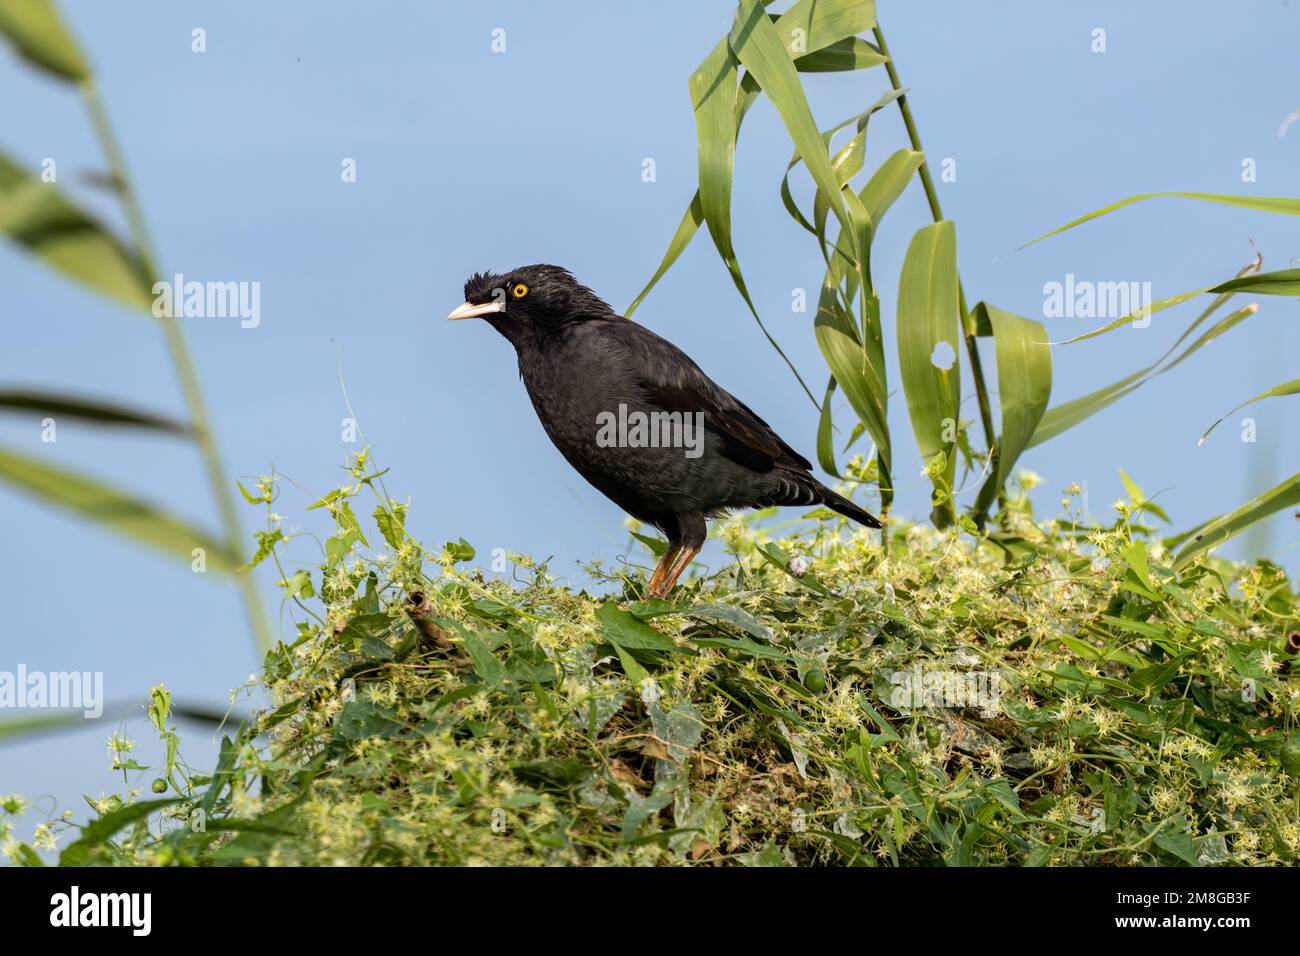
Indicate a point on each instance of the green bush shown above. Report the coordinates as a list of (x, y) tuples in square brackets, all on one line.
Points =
[(1050, 694)]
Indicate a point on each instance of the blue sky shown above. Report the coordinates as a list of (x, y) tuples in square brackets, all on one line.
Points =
[(469, 159)]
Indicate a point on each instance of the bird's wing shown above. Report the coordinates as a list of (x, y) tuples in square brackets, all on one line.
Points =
[(672, 381)]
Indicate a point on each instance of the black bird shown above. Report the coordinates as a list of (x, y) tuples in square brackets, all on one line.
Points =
[(637, 418)]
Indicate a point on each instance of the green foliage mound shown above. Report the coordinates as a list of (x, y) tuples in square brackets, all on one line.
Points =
[(1052, 693)]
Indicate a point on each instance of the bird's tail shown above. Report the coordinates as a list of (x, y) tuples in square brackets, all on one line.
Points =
[(837, 502)]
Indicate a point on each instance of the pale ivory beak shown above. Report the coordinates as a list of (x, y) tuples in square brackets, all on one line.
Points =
[(470, 311)]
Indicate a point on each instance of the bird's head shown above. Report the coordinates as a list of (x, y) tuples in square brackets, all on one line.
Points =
[(529, 299)]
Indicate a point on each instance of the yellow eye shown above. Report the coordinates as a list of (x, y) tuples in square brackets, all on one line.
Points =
[(519, 291)]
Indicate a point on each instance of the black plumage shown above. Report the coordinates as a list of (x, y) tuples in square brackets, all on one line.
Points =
[(586, 368)]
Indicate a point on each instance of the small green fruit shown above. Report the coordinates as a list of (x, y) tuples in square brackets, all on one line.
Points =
[(815, 681), (159, 785), (1291, 756)]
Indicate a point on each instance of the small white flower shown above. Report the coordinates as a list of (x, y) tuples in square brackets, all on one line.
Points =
[(798, 566)]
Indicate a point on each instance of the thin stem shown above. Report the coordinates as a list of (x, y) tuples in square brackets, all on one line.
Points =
[(967, 323), (180, 356)]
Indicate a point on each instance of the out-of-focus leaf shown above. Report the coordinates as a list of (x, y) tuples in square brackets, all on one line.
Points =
[(1278, 498), (1286, 388), (110, 507), (928, 315), (1283, 205), (36, 215), (1140, 502), (35, 29), (88, 409)]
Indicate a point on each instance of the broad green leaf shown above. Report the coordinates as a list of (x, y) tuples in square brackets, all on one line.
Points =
[(631, 632), (1286, 388), (1283, 205), (1024, 382), (810, 25), (850, 53), (36, 216), (54, 405), (928, 315), (110, 507), (1278, 498), (37, 32)]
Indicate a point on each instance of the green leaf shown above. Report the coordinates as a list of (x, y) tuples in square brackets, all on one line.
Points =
[(826, 433), (686, 230), (98, 832), (348, 522), (1282, 282), (17, 730), (756, 42), (810, 25), (928, 314), (850, 53), (1139, 499), (1286, 388), (1068, 414), (88, 409), (1024, 381), (622, 628), (392, 525), (1281, 496), (459, 550), (110, 507), (37, 216), (266, 542), (634, 671), (1283, 205), (888, 182), (36, 30)]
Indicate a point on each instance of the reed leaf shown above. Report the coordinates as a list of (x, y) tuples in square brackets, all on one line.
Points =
[(114, 509), (928, 315), (1278, 498)]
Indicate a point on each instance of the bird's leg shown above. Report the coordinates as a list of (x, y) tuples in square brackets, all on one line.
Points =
[(657, 579), (675, 561)]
